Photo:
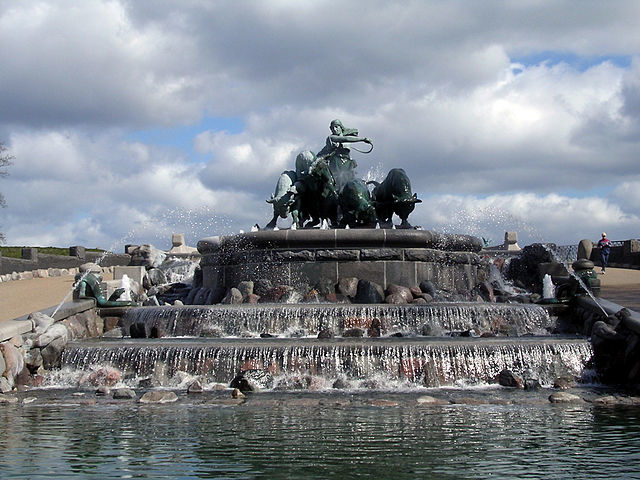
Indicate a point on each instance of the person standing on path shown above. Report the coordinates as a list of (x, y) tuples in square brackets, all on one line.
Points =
[(604, 244)]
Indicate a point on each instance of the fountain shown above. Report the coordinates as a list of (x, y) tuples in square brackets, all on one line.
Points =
[(360, 305)]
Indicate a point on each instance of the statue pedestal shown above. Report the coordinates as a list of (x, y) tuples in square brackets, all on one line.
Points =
[(297, 257)]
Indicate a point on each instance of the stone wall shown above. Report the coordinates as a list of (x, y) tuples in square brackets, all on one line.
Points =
[(296, 257), (32, 260)]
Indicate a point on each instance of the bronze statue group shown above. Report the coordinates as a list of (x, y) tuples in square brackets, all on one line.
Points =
[(324, 188)]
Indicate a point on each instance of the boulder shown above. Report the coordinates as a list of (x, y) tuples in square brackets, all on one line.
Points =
[(104, 376), (253, 299), (158, 396), (348, 286), (427, 286), (564, 383), (396, 299), (54, 332), (233, 297), (147, 256), (252, 380), (195, 387), (41, 322), (428, 401), (14, 362), (564, 397), (246, 289), (353, 332), (156, 276), (291, 296), (325, 286), (399, 291), (326, 333), (123, 393), (262, 287), (368, 292), (507, 378)]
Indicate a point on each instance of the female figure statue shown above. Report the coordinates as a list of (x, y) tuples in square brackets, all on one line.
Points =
[(337, 154)]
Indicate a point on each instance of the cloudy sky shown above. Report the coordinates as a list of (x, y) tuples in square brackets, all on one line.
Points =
[(131, 120)]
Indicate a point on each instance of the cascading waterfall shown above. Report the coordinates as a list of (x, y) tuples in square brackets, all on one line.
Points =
[(429, 363), (305, 320)]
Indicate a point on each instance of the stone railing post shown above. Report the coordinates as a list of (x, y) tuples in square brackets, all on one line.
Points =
[(29, 253), (78, 251)]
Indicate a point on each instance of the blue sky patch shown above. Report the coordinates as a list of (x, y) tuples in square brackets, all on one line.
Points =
[(579, 62), (181, 136)]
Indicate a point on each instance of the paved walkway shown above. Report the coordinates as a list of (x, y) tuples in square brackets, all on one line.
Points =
[(621, 286), (22, 297)]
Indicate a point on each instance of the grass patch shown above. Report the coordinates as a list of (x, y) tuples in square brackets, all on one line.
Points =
[(16, 252)]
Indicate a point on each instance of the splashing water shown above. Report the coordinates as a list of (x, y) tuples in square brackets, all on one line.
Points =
[(125, 283), (558, 259)]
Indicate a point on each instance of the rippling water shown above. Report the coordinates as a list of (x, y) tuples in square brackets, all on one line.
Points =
[(302, 436)]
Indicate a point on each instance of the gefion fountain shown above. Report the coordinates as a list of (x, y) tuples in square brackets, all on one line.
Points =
[(353, 306)]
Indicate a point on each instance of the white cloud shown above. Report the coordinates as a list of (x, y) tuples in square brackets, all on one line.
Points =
[(488, 142)]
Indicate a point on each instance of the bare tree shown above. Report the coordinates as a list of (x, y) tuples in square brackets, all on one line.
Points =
[(5, 161)]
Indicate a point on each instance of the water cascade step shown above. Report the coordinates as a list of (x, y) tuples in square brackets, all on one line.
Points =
[(317, 364), (309, 319)]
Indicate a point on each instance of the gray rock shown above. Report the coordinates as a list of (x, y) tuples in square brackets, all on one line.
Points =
[(532, 384), (233, 297), (396, 299), (262, 287), (291, 297), (156, 277), (33, 359), (429, 330), (123, 393), (14, 362), (340, 384), (427, 400), (252, 380), (51, 353), (564, 383), (353, 332), (246, 289), (118, 332), (348, 286), (427, 286), (147, 256), (6, 398), (368, 292), (507, 378), (158, 396), (75, 327), (400, 291), (103, 391), (55, 331), (195, 387), (325, 286), (326, 333), (151, 301), (41, 322), (5, 386), (564, 397)]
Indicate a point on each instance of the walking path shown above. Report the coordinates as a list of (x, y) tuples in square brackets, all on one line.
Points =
[(21, 297), (621, 286)]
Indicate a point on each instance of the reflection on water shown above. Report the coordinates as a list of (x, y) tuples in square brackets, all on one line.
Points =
[(298, 436)]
